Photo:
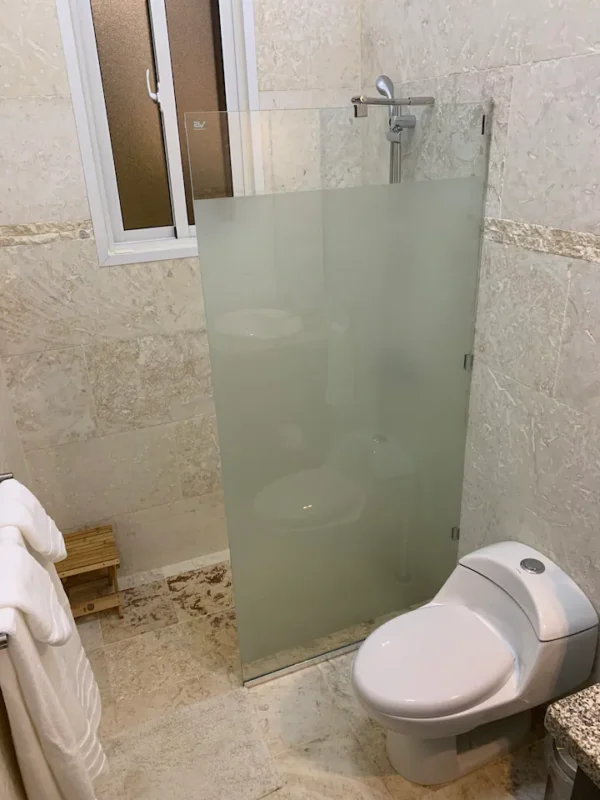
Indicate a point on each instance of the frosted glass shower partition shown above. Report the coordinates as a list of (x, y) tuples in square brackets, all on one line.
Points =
[(339, 311)]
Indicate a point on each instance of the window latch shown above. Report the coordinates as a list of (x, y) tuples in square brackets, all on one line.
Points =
[(152, 95)]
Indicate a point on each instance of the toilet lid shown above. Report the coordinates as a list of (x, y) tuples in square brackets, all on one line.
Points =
[(433, 662)]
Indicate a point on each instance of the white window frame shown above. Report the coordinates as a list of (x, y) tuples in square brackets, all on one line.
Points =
[(116, 246)]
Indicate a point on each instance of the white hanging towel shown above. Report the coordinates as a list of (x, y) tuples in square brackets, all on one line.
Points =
[(21, 508), (11, 783), (50, 693), (27, 587)]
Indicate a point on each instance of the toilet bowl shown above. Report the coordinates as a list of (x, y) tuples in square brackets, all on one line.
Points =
[(454, 681)]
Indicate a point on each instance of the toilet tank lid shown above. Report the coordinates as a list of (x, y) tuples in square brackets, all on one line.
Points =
[(554, 604)]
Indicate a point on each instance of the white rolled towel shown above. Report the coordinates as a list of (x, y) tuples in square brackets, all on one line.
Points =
[(26, 586), (20, 508)]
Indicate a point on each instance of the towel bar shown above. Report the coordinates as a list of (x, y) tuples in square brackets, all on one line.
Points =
[(4, 636)]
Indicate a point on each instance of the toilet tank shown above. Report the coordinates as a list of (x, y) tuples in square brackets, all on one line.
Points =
[(554, 604)]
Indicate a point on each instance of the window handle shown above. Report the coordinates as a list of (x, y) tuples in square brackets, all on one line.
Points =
[(152, 95)]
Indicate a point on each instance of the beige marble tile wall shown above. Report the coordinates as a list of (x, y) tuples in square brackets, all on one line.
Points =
[(533, 450), (105, 385), (308, 53), (104, 373)]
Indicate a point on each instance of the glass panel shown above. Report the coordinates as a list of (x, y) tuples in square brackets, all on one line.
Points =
[(195, 41), (125, 53), (339, 310)]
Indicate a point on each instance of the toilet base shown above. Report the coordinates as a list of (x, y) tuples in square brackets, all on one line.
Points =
[(431, 761)]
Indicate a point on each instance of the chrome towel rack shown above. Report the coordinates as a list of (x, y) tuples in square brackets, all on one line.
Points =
[(4, 476)]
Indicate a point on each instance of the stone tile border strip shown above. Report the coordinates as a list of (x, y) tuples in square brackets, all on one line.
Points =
[(572, 244), (45, 232)]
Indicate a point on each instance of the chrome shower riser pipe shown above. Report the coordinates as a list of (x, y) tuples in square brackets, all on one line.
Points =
[(395, 162), (397, 122)]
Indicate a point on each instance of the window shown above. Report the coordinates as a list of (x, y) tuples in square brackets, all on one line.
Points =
[(135, 69)]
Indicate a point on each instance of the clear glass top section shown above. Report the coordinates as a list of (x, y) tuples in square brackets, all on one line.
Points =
[(275, 151)]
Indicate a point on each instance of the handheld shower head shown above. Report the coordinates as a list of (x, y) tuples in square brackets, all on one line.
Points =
[(385, 86)]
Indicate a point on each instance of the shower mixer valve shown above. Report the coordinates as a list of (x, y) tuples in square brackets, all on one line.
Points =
[(398, 124)]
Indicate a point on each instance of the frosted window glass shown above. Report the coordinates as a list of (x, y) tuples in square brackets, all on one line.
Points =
[(195, 40), (125, 53)]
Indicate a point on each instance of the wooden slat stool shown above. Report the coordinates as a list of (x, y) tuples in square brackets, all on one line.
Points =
[(89, 552)]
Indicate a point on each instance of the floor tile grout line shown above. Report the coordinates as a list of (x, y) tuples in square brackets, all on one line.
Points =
[(305, 742), (179, 622), (362, 748), (177, 684), (165, 628)]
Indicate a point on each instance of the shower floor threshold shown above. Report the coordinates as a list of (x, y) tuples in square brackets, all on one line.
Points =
[(355, 636), (308, 662)]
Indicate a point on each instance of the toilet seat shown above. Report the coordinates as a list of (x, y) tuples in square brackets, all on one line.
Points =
[(432, 662), (454, 682)]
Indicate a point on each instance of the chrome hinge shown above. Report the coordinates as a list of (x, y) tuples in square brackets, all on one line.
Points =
[(455, 534), (468, 362)]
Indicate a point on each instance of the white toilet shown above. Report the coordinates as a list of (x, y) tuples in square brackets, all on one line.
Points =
[(453, 681)]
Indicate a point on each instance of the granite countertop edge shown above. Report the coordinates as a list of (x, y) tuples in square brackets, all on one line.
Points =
[(574, 722)]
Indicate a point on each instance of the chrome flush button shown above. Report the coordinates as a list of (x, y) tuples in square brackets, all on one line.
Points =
[(533, 565)]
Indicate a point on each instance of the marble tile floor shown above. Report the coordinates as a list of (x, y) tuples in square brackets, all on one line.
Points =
[(173, 658)]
